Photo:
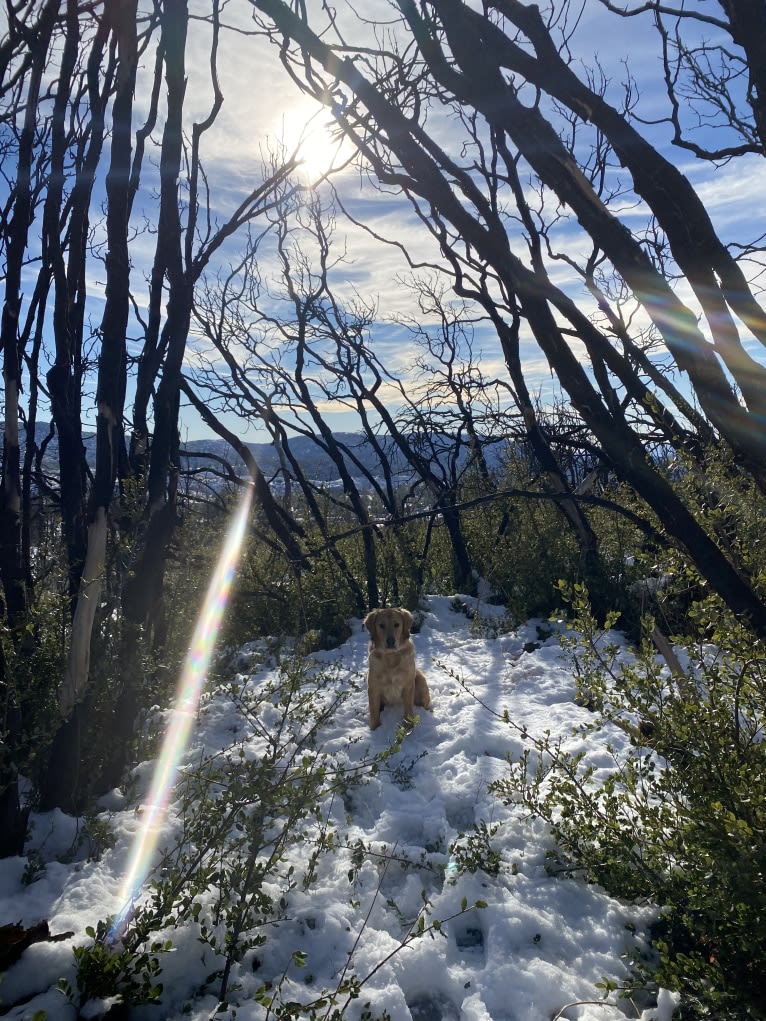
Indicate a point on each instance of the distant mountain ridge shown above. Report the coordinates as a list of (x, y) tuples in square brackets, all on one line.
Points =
[(317, 465)]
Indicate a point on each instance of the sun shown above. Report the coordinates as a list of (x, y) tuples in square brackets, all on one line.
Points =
[(307, 130)]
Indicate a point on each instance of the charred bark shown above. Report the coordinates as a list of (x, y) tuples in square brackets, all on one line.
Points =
[(68, 269), (13, 573), (62, 777), (11, 567)]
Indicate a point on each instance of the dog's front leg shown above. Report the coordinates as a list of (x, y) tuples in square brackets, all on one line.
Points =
[(376, 704), (422, 694), (408, 701)]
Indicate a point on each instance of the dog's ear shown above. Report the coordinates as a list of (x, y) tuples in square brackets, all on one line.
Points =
[(407, 619), (369, 620)]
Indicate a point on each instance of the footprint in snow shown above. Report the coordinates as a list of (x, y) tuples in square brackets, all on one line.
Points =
[(468, 935), (432, 1007)]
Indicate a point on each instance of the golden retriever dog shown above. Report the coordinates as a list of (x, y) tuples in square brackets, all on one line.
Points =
[(392, 676)]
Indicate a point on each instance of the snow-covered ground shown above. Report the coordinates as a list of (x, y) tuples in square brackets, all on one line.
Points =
[(536, 950)]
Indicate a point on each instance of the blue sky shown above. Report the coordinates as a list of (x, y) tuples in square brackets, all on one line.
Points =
[(262, 110)]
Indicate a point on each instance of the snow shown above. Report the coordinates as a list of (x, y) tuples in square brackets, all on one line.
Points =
[(536, 950)]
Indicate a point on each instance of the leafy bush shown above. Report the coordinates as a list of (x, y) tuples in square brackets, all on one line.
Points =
[(521, 548), (104, 971), (473, 851), (33, 668), (273, 597), (681, 821)]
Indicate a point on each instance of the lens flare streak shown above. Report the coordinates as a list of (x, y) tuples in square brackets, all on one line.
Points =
[(183, 714)]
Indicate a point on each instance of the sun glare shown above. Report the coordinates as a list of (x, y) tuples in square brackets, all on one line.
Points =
[(182, 716), (307, 130)]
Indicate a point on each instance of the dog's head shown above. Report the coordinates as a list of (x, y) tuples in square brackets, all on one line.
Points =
[(389, 628)]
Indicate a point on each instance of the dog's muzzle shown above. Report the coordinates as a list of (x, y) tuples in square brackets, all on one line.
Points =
[(390, 642)]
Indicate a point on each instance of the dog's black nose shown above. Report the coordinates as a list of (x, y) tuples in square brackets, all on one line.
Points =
[(391, 642)]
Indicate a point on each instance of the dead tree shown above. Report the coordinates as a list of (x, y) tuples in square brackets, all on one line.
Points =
[(183, 248), (504, 69), (25, 92)]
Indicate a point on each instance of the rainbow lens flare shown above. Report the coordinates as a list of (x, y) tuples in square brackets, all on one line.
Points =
[(187, 699)]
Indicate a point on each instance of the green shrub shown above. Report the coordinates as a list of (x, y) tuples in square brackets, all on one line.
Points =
[(521, 547), (273, 597), (681, 820), (104, 971), (34, 665)]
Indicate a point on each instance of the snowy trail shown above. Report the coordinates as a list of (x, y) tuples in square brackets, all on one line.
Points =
[(539, 944)]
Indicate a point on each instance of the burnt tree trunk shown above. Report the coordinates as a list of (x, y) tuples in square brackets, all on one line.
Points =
[(12, 569), (65, 377), (63, 785)]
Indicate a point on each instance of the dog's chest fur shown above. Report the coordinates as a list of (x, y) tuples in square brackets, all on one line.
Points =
[(398, 672)]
